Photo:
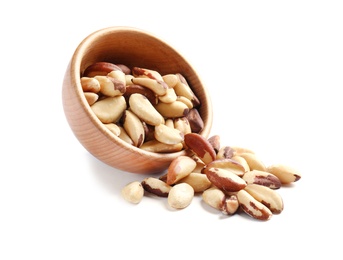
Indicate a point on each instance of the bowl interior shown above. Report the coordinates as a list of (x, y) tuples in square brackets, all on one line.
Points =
[(132, 47)]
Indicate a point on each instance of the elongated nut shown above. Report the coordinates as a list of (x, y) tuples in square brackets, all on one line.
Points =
[(262, 178), (241, 161), (200, 146), (133, 192), (169, 122), (229, 165), (158, 87), (91, 97), (214, 197), (146, 73), (179, 168), (185, 100), (113, 128), (253, 207), (90, 84), (225, 179), (253, 161), (100, 69), (156, 186), (142, 107), (167, 135), (109, 110), (169, 97), (133, 127), (124, 136), (180, 196), (183, 89), (198, 181), (172, 110), (195, 120), (285, 173), (170, 79), (158, 147), (268, 197)]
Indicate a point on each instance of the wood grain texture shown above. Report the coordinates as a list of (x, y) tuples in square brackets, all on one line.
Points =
[(132, 47)]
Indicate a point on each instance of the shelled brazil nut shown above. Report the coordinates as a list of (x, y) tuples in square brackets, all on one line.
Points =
[(142, 107), (229, 179)]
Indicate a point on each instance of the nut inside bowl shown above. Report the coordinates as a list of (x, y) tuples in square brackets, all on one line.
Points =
[(134, 48)]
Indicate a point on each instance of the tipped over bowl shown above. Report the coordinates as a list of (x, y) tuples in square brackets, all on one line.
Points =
[(132, 47)]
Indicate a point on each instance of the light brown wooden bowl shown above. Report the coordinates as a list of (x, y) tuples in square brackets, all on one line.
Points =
[(132, 47)]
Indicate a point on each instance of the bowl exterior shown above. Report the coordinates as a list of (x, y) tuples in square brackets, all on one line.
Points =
[(132, 47)]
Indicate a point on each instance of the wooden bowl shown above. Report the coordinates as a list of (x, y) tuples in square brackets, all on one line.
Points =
[(132, 47)]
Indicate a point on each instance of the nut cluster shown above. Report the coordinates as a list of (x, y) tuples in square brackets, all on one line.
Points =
[(228, 179), (159, 113), (142, 107)]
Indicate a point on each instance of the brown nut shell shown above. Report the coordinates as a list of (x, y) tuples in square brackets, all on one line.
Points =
[(200, 146), (262, 178), (100, 69), (253, 207), (225, 179), (180, 168), (156, 186)]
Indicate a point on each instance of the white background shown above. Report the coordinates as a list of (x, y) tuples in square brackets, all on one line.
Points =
[(274, 72)]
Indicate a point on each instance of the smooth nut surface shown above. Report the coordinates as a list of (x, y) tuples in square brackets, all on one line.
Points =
[(172, 110), (262, 178), (167, 135), (158, 147), (224, 179), (253, 161), (179, 168), (134, 128), (133, 192), (227, 164), (100, 68), (214, 197), (158, 87), (180, 196), (200, 146), (109, 110), (198, 181), (90, 84), (156, 186), (142, 107), (285, 173)]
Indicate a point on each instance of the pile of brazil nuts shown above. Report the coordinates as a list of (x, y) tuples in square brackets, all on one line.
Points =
[(228, 178), (142, 107), (159, 113)]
